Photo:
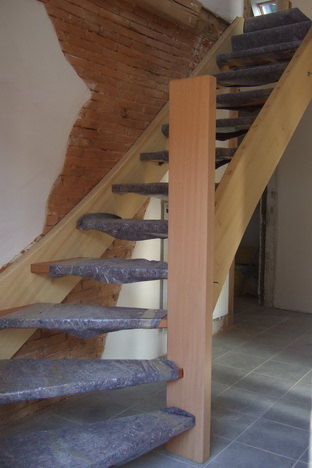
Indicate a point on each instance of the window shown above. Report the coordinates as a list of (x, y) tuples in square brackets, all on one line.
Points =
[(266, 7)]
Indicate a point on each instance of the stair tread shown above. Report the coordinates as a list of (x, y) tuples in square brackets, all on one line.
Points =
[(29, 379), (288, 33), (221, 153), (107, 270), (102, 444), (272, 20), (252, 76), (159, 156), (243, 99), (84, 321), (154, 189), (257, 55), (127, 229)]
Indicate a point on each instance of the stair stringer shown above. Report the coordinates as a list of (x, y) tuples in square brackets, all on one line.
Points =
[(257, 157), (18, 286)]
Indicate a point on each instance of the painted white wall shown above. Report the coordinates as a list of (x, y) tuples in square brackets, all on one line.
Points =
[(40, 95), (294, 222), (140, 344), (226, 9)]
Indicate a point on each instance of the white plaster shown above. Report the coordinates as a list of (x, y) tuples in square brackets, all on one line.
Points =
[(294, 222), (226, 9), (40, 95)]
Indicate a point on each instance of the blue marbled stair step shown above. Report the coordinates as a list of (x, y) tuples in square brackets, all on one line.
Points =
[(265, 37), (223, 155), (258, 55), (103, 444), (127, 229), (252, 76), (226, 128), (154, 189), (273, 20), (30, 379), (84, 321), (107, 270), (243, 100)]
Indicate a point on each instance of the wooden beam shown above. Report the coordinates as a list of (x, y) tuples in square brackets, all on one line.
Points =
[(190, 251), (257, 157), (182, 12)]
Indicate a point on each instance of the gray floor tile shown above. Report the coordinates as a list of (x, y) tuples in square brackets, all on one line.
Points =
[(226, 375), (300, 464), (262, 384), (300, 392), (277, 438), (217, 388), (237, 455), (244, 401), (283, 370), (218, 351), (305, 457), (307, 378), (290, 412), (239, 360), (229, 424), (295, 357), (155, 402), (256, 348)]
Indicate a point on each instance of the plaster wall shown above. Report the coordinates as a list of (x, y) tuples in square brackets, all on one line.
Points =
[(41, 96), (294, 222), (226, 9)]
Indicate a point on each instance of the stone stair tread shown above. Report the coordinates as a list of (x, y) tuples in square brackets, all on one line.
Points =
[(272, 20), (159, 156), (102, 444), (84, 321), (223, 156), (225, 128), (154, 189), (127, 229), (266, 54), (243, 100), (107, 270), (264, 37), (252, 76), (30, 379)]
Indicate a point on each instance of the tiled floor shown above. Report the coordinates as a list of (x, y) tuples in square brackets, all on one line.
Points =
[(261, 396)]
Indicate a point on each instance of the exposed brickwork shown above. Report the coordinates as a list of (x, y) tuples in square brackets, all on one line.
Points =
[(127, 57)]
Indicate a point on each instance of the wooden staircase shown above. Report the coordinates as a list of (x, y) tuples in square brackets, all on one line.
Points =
[(272, 49)]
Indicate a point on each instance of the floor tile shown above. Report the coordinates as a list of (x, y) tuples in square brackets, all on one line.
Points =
[(276, 438), (300, 392), (305, 457), (295, 357), (244, 401), (261, 384), (229, 424), (290, 412), (283, 370), (156, 459), (239, 360), (237, 455), (226, 375), (256, 348)]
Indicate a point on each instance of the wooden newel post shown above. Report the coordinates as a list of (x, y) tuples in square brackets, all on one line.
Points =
[(192, 120)]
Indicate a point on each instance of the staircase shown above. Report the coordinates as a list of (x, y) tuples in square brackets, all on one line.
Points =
[(271, 50)]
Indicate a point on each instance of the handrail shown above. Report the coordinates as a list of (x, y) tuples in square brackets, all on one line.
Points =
[(257, 157)]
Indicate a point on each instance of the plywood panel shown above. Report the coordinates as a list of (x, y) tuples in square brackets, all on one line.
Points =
[(190, 251)]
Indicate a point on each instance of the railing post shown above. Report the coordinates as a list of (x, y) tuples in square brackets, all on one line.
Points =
[(192, 120)]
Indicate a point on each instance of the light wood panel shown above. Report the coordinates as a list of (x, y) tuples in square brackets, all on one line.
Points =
[(258, 155), (19, 286), (190, 253)]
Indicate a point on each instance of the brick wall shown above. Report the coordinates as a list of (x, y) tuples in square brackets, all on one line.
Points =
[(127, 57)]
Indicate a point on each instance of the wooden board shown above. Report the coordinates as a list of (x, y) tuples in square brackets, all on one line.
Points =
[(190, 253), (255, 160)]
